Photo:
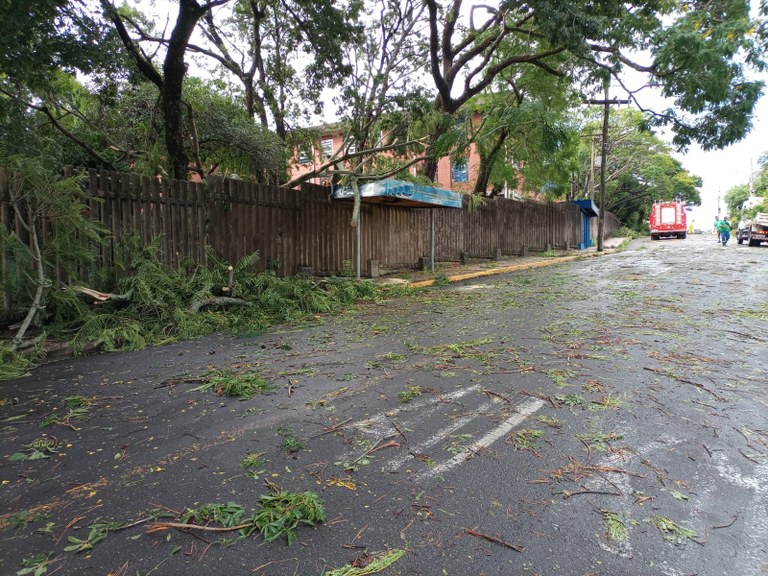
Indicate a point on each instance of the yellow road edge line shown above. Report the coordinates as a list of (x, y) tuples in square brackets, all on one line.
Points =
[(506, 269)]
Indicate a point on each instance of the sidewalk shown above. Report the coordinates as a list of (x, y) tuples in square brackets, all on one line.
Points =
[(478, 267)]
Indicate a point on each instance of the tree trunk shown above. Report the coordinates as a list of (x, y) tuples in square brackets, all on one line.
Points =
[(41, 281), (486, 163), (429, 168), (174, 71)]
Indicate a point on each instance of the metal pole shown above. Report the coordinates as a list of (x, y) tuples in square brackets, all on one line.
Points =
[(606, 102), (591, 194), (432, 239), (603, 162)]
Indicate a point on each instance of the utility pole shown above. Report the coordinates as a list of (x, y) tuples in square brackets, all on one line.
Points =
[(606, 102)]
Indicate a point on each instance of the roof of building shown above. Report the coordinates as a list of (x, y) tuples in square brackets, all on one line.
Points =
[(587, 206)]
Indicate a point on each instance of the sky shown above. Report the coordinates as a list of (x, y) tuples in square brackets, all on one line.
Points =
[(723, 169)]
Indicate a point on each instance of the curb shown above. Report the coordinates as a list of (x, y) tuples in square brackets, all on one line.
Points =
[(515, 268)]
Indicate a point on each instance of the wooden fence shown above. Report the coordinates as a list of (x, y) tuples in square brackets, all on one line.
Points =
[(305, 228)]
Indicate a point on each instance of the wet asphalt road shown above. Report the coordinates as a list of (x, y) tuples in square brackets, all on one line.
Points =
[(607, 416)]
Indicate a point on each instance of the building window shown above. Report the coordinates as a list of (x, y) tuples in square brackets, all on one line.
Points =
[(460, 170), (304, 155), (326, 147)]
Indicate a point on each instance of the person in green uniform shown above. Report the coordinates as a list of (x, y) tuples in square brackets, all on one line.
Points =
[(725, 230)]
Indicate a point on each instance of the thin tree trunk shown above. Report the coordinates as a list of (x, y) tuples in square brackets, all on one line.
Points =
[(486, 163), (429, 168), (39, 265)]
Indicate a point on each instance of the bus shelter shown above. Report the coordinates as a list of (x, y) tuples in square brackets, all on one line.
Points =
[(391, 192), (588, 211)]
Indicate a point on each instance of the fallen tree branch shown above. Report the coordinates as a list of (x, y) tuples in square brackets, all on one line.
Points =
[(493, 539), (497, 395), (332, 429), (567, 494), (42, 282), (685, 381), (727, 525), (104, 296), (160, 526)]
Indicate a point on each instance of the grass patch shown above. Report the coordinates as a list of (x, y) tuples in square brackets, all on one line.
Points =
[(253, 464), (525, 439), (599, 441), (559, 376), (615, 526), (671, 531), (227, 382), (570, 400), (549, 421), (291, 442), (607, 402), (441, 280), (460, 350), (368, 564), (410, 393)]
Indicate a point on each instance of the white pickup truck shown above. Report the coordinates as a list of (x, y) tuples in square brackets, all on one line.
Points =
[(754, 231)]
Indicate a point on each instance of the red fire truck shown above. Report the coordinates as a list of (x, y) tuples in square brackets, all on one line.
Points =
[(668, 219)]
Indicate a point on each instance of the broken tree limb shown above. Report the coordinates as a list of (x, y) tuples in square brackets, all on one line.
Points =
[(104, 296), (332, 429), (42, 281), (567, 494), (493, 539), (686, 381), (727, 525), (160, 526), (491, 393)]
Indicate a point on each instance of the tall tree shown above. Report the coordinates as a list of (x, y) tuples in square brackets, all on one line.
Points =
[(525, 127), (700, 55), (384, 117), (465, 60), (282, 52), (171, 80)]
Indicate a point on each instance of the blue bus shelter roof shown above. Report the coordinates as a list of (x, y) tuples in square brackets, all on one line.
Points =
[(587, 206), (401, 193)]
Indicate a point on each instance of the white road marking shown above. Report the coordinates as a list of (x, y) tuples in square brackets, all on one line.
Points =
[(380, 424), (754, 516), (438, 436), (523, 411)]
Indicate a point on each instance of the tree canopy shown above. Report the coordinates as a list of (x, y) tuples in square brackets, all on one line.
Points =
[(418, 70), (640, 170)]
